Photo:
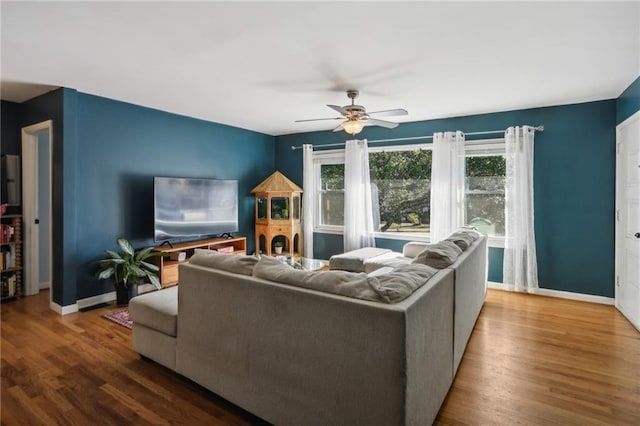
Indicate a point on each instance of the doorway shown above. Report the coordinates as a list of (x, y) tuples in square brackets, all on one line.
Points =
[(36, 195)]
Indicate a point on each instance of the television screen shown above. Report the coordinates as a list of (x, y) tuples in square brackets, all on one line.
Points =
[(191, 208)]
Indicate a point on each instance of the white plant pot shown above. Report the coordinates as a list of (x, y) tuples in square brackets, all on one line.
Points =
[(278, 250)]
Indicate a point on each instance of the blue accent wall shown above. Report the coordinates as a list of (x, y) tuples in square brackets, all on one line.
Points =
[(629, 101), (496, 262), (10, 138), (105, 155), (10, 128), (52, 106), (106, 152), (574, 184), (123, 146)]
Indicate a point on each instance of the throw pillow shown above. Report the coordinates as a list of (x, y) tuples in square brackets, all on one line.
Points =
[(229, 262), (413, 248), (470, 230), (461, 239), (349, 284), (439, 255), (400, 283)]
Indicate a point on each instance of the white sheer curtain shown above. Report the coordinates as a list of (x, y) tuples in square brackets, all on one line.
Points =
[(308, 187), (358, 211), (520, 267), (447, 184)]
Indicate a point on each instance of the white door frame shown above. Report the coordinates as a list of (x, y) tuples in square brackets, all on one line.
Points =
[(625, 236), (30, 205)]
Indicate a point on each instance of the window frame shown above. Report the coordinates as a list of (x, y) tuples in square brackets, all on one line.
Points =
[(485, 148), (473, 148), (403, 236), (333, 156), (337, 156)]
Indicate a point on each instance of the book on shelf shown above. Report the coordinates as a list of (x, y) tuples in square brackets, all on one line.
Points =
[(8, 286), (226, 249), (12, 285), (7, 233), (8, 257)]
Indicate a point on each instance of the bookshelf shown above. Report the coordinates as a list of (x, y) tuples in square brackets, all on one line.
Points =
[(10, 256)]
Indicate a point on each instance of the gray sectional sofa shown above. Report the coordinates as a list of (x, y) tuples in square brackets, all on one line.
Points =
[(469, 266), (297, 347)]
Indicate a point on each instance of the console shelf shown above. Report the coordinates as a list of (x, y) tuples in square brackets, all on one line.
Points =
[(168, 273)]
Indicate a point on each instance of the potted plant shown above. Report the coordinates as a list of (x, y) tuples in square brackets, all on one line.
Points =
[(278, 247), (128, 269)]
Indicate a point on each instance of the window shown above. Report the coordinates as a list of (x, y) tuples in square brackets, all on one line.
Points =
[(401, 185), (401, 189), (331, 194), (484, 186)]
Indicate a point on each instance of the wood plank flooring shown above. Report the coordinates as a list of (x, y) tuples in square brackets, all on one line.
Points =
[(536, 360), (532, 360)]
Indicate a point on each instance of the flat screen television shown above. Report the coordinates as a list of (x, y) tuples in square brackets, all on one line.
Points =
[(187, 208)]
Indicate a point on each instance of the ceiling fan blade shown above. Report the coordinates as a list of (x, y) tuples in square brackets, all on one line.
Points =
[(339, 128), (388, 113), (338, 109), (319, 119), (381, 123)]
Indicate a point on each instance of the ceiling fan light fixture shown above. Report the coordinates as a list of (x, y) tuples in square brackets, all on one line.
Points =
[(355, 117), (353, 127)]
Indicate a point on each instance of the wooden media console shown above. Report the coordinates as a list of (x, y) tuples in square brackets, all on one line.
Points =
[(168, 265)]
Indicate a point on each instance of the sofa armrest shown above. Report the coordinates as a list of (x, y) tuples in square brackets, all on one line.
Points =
[(470, 291), (413, 248)]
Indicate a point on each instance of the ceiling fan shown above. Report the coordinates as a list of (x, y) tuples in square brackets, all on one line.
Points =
[(355, 117)]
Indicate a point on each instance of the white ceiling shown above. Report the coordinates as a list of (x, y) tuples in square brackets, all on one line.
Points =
[(262, 65)]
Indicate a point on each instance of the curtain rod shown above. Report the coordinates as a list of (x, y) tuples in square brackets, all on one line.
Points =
[(488, 132)]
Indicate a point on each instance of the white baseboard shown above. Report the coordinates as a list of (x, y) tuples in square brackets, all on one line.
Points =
[(96, 300), (145, 288), (557, 293), (45, 285), (109, 297), (63, 310)]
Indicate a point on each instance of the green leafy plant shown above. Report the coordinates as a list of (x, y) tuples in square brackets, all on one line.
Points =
[(278, 244), (129, 266)]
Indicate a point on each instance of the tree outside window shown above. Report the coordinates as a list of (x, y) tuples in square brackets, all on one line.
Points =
[(332, 194), (485, 180), (401, 191), (401, 182)]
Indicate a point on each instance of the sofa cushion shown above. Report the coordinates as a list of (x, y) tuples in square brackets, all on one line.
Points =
[(470, 230), (391, 259), (439, 255), (344, 283), (413, 248), (229, 262), (157, 310), (461, 239), (380, 271), (354, 260), (398, 284)]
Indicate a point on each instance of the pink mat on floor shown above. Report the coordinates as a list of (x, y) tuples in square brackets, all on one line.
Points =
[(120, 317)]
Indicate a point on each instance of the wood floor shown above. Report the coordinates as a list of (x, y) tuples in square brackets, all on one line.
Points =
[(536, 360), (532, 360)]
